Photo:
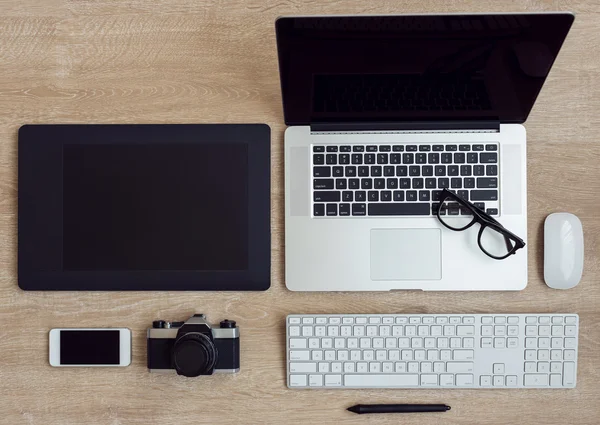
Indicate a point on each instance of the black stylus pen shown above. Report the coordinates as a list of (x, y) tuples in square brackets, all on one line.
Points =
[(398, 408)]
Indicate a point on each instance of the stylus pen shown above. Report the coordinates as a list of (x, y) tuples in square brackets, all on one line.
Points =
[(398, 408)]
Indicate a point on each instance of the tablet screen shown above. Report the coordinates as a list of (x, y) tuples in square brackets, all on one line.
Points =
[(155, 207)]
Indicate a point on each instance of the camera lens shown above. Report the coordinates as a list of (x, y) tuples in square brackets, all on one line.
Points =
[(194, 354)]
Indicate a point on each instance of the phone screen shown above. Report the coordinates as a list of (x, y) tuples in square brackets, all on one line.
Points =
[(84, 347)]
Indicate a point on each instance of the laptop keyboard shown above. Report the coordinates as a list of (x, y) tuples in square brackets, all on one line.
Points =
[(402, 180)]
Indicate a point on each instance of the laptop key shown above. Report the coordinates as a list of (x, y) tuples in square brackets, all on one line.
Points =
[(443, 183), (341, 184), (491, 170), (398, 195), (358, 148), (398, 148), (318, 148), (487, 182), (453, 170), (417, 183), (384, 148), (379, 184), (484, 195), (401, 170), (446, 158), (382, 158), (478, 170), (491, 147), (323, 184), (359, 209), (464, 147), (360, 196), (434, 158), (486, 158), (326, 196), (430, 183), (373, 195), (338, 171), (371, 148), (350, 171), (480, 205), (321, 171), (414, 208), (437, 148), (427, 170), (388, 171), (424, 195), (424, 148), (477, 147), (421, 158), (465, 170), (395, 158), (451, 148), (353, 183), (472, 158), (463, 194), (436, 195), (369, 158), (411, 148), (345, 149), (318, 159), (414, 170), (357, 158), (492, 211), (344, 209), (411, 195), (459, 158), (366, 183), (376, 170), (408, 158), (456, 183), (332, 148), (347, 196), (363, 171), (404, 183), (440, 170), (344, 158), (331, 210), (386, 195), (319, 210), (331, 159), (469, 183), (392, 183)]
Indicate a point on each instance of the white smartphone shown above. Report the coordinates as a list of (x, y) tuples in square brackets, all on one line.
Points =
[(90, 347)]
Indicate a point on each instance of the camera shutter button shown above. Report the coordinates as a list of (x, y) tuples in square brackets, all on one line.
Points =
[(158, 324), (227, 324)]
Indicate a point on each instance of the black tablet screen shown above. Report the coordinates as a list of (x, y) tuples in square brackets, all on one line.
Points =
[(155, 207)]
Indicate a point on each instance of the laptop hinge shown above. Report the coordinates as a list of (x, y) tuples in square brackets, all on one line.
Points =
[(408, 126)]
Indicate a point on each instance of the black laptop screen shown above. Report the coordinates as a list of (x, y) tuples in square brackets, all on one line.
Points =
[(415, 68), (155, 207)]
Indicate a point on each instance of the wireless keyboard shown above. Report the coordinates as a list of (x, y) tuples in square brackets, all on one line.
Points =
[(432, 351)]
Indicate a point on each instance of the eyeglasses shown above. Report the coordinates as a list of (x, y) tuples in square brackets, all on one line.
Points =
[(494, 240)]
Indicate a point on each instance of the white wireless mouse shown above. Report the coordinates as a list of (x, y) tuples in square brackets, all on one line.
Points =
[(563, 250)]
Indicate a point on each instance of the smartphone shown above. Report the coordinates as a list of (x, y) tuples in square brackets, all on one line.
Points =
[(90, 347)]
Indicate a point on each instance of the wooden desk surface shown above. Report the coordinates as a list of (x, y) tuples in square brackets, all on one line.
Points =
[(204, 61)]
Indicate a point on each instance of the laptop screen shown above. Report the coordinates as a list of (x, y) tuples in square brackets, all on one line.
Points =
[(416, 68)]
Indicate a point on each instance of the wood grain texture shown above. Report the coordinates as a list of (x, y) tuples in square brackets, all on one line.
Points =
[(202, 61)]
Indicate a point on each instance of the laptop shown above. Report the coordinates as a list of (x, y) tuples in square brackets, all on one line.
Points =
[(383, 113)]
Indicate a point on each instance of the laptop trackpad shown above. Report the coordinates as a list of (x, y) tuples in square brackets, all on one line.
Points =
[(406, 254)]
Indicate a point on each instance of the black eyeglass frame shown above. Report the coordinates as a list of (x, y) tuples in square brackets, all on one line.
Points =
[(484, 220)]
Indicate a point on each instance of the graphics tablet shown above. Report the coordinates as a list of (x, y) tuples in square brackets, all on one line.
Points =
[(144, 207)]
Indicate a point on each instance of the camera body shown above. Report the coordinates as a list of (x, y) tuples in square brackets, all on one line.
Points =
[(194, 347)]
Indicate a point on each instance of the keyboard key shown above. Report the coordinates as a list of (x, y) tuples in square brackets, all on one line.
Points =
[(381, 380), (331, 159), (478, 170), (488, 157), (430, 183), (417, 183), (398, 195), (411, 195), (484, 195), (360, 195), (350, 171), (408, 158), (440, 170), (360, 209), (338, 171), (451, 147), (437, 148), (344, 209), (398, 148), (322, 172), (569, 373), (421, 158), (371, 148), (411, 148), (382, 158), (398, 209), (353, 183), (414, 170), (363, 171), (392, 183), (477, 147), (469, 183), (456, 183), (357, 158), (385, 148), (491, 170), (376, 170), (401, 170), (344, 158), (366, 183), (453, 170), (487, 182), (424, 148), (535, 380), (333, 380), (443, 183), (424, 195), (341, 184), (298, 381), (492, 211), (369, 158), (386, 195), (379, 184), (465, 170), (464, 194), (464, 380), (491, 147), (358, 148), (395, 158), (459, 158), (446, 158), (427, 170), (331, 210), (388, 171), (373, 196), (332, 148), (434, 158), (345, 149), (318, 210), (326, 196), (472, 158), (464, 147), (318, 148)]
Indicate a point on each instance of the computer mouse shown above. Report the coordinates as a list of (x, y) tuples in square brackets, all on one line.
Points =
[(563, 250)]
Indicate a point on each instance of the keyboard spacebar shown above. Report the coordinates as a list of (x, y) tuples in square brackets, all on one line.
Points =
[(381, 380), (408, 208)]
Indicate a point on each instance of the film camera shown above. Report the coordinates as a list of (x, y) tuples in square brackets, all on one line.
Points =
[(194, 347)]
